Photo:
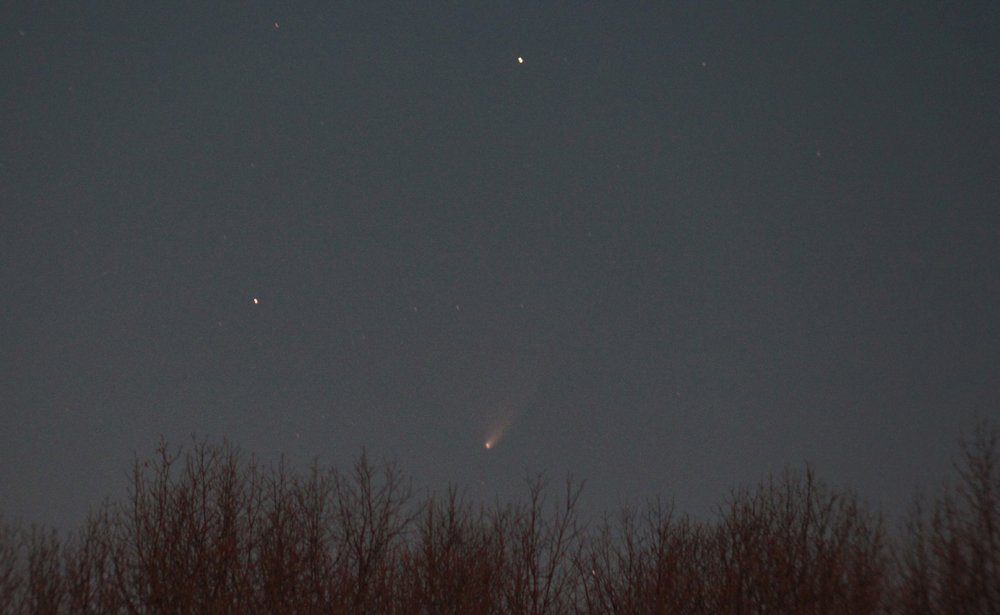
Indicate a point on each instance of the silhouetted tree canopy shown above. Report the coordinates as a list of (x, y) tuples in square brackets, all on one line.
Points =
[(210, 530)]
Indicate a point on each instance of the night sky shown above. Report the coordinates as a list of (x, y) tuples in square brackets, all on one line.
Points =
[(665, 247)]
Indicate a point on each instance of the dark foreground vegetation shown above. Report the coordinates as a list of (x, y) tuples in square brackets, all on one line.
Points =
[(211, 531)]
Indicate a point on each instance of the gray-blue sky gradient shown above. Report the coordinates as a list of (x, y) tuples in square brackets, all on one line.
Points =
[(680, 245)]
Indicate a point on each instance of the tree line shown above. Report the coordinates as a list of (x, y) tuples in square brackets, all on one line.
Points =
[(209, 530)]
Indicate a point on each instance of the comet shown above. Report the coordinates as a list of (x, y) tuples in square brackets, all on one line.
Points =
[(509, 389), (503, 417)]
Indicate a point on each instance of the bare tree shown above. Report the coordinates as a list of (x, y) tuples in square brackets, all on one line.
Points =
[(210, 531), (537, 551), (370, 519), (793, 545), (451, 567), (46, 589), (89, 569), (949, 563), (648, 563), (12, 581)]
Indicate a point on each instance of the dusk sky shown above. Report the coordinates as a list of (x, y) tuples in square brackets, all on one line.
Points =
[(665, 247)]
